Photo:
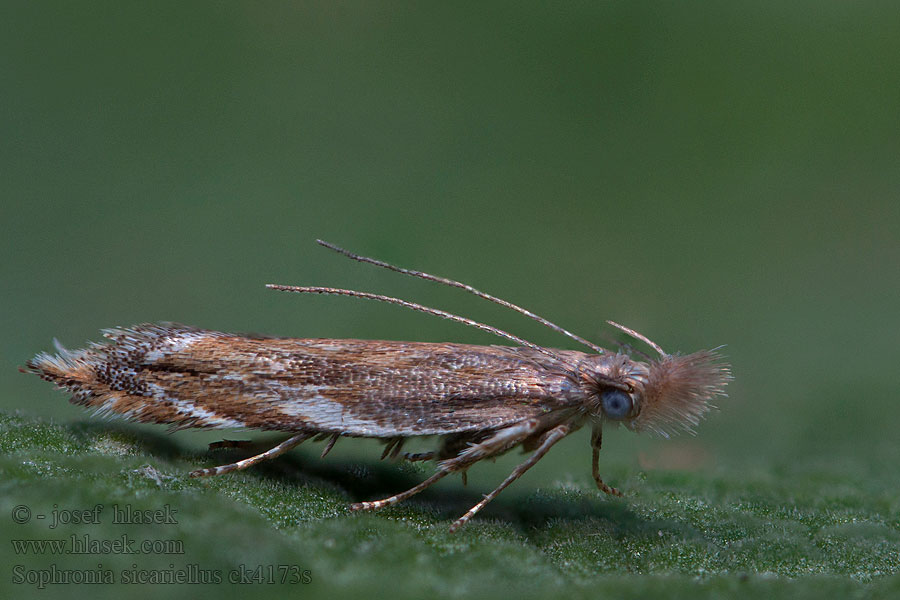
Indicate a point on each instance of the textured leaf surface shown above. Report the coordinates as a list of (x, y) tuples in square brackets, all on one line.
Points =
[(682, 534)]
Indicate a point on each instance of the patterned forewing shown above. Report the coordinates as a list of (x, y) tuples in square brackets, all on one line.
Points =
[(200, 378)]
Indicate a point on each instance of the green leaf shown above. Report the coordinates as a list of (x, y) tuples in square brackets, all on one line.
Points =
[(678, 534)]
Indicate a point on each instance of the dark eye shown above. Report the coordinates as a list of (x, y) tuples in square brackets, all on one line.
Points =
[(616, 404)]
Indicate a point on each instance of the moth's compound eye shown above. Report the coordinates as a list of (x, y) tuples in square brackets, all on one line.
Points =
[(617, 405)]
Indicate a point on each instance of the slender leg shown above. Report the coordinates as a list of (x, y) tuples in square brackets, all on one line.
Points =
[(330, 445), (555, 434), (397, 448), (392, 447), (230, 444), (249, 462), (419, 456), (375, 504), (596, 442), (501, 441)]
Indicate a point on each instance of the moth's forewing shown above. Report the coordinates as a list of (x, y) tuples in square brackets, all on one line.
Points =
[(195, 378)]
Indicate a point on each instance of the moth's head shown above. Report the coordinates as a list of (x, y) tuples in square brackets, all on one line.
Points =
[(664, 396)]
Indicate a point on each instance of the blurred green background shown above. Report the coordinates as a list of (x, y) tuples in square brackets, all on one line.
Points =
[(707, 173)]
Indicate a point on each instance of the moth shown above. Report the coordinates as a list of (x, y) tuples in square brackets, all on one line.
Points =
[(482, 401)]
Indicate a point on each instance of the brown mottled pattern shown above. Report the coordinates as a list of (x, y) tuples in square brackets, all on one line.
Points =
[(195, 378)]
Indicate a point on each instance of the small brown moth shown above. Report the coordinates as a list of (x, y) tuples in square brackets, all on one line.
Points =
[(482, 400)]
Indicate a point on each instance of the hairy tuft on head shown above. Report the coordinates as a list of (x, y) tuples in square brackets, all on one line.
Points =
[(679, 392)]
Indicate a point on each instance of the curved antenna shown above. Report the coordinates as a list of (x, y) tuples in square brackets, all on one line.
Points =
[(638, 336), (463, 286), (431, 311)]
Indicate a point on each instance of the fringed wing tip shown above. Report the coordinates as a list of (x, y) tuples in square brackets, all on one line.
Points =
[(66, 368)]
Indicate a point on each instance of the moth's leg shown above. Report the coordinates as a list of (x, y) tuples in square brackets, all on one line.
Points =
[(375, 504), (230, 444), (553, 436), (418, 456), (330, 445), (502, 440), (397, 448), (596, 442), (392, 447), (249, 462)]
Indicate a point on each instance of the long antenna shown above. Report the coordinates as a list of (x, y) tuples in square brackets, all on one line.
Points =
[(462, 286), (639, 336), (431, 311)]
